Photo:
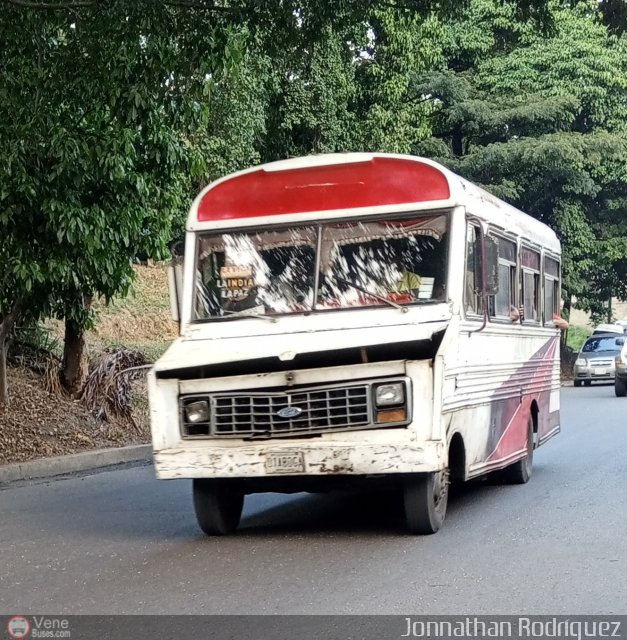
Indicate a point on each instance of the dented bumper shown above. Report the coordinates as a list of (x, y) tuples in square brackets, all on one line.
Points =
[(289, 459)]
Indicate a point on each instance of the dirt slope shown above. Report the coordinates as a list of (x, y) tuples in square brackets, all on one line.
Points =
[(37, 423)]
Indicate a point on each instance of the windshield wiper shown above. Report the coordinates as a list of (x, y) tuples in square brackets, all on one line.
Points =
[(374, 295), (249, 314)]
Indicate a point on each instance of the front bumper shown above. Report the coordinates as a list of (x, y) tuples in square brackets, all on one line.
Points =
[(593, 373), (208, 460)]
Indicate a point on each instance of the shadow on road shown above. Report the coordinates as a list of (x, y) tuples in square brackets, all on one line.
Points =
[(164, 512), (379, 512)]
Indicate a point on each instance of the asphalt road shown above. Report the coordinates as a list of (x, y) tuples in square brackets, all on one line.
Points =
[(122, 542)]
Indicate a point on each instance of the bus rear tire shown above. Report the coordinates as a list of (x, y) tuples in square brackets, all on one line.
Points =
[(218, 509), (620, 388), (425, 498), (520, 471)]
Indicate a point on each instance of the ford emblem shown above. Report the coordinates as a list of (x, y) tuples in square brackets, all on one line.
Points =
[(289, 412)]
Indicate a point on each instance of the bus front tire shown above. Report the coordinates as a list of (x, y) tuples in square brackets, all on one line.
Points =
[(425, 497), (218, 509), (620, 388), (520, 471)]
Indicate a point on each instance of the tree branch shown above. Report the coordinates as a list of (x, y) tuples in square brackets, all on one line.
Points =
[(77, 4), (35, 4), (197, 4)]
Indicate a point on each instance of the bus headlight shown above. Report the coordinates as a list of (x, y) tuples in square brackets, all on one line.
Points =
[(197, 411), (387, 395), (581, 362)]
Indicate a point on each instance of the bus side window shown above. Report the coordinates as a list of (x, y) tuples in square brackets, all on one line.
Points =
[(505, 299), (530, 284), (472, 302), (551, 289)]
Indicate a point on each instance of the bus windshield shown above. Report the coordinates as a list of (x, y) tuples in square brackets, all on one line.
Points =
[(332, 266)]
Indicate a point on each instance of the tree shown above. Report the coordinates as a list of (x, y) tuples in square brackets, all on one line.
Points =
[(111, 110), (541, 123), (93, 118)]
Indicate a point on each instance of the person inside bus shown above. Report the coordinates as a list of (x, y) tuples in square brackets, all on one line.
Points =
[(409, 282), (439, 291), (422, 268)]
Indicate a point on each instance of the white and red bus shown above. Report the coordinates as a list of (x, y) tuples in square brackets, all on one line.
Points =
[(356, 319)]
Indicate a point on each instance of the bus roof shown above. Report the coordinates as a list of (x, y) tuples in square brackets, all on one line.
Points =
[(349, 184)]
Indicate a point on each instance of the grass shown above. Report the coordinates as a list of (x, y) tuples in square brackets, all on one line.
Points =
[(141, 321), (577, 336)]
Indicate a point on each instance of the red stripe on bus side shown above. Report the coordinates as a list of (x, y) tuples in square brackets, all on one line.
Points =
[(514, 437)]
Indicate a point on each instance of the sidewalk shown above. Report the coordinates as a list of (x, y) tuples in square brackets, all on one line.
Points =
[(73, 463)]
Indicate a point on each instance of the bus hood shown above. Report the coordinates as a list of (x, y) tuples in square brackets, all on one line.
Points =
[(184, 353)]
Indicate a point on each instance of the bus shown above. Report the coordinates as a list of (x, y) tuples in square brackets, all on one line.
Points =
[(356, 320)]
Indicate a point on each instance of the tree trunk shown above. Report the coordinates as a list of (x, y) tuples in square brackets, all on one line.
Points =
[(567, 306), (566, 312), (6, 326), (457, 142), (75, 365), (4, 383)]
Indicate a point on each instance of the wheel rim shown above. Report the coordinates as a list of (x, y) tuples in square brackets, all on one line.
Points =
[(440, 488)]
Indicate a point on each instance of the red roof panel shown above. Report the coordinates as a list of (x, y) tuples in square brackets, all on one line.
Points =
[(378, 182)]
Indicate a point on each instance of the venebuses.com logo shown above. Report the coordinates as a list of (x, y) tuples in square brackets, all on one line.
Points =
[(18, 627), (34, 627)]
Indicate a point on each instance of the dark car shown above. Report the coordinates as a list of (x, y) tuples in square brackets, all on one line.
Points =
[(597, 359), (620, 383)]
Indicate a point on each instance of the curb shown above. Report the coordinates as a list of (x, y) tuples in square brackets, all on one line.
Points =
[(74, 462)]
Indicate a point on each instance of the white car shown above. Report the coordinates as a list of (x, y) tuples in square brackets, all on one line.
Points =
[(622, 324), (609, 328)]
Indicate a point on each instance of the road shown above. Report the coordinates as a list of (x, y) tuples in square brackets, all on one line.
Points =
[(122, 542)]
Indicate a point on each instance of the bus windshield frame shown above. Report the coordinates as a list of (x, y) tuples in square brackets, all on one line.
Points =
[(392, 260)]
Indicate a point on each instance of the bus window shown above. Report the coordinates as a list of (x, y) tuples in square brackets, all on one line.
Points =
[(530, 283), (505, 297), (551, 289), (398, 260), (472, 302)]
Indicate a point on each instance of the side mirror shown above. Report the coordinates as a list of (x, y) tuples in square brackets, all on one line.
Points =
[(175, 280), (620, 342), (487, 266)]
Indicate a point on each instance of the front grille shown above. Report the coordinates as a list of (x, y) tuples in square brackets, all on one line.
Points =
[(601, 362), (306, 411)]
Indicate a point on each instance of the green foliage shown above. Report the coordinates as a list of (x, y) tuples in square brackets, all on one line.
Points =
[(35, 341), (92, 117), (402, 45), (113, 114), (614, 13), (234, 107), (541, 122), (312, 98), (577, 336)]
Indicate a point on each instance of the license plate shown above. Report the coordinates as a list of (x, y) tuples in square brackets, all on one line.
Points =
[(600, 372), (285, 462)]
